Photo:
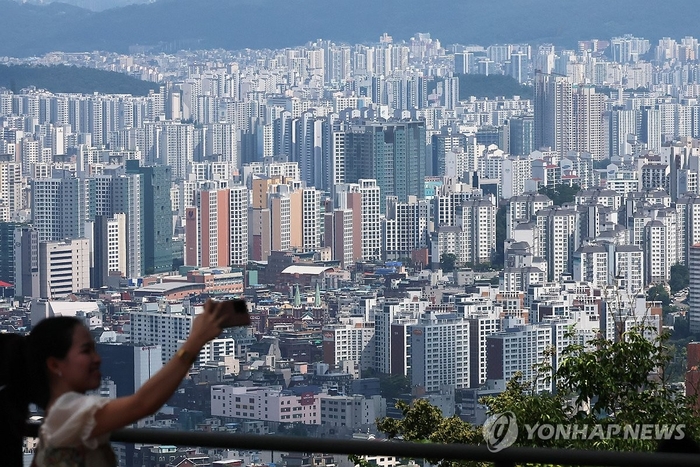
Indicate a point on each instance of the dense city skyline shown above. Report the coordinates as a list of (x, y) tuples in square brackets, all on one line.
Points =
[(379, 223)]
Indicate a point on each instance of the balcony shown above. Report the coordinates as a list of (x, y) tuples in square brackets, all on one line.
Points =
[(509, 457)]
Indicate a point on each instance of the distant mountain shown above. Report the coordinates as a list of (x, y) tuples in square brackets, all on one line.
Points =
[(234, 24), (94, 5), (72, 79)]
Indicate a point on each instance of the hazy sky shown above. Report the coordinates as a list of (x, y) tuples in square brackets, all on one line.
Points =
[(95, 5)]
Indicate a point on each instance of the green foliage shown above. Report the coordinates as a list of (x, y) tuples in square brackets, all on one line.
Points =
[(72, 79), (393, 386), (390, 386), (621, 382), (658, 293), (681, 327), (448, 261), (608, 374), (562, 194), (480, 267), (423, 422), (678, 358), (680, 277)]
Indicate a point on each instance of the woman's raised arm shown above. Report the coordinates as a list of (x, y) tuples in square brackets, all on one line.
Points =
[(124, 411)]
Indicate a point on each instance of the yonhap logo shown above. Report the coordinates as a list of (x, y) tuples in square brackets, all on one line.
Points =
[(500, 431)]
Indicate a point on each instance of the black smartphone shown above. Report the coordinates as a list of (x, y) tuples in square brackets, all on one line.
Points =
[(237, 311)]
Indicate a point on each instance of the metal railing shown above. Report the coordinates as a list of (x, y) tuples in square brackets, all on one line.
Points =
[(458, 452)]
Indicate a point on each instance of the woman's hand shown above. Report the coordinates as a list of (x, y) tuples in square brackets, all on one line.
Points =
[(235, 312), (207, 325), (215, 317)]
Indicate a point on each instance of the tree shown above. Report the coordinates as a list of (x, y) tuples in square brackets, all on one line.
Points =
[(658, 293), (448, 261), (613, 377), (423, 422), (681, 327), (62, 78), (561, 194), (489, 86), (480, 267), (392, 386), (680, 277), (603, 382)]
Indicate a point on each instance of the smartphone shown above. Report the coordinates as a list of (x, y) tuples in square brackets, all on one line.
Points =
[(236, 311)]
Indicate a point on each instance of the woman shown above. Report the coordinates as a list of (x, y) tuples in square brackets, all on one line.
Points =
[(66, 365)]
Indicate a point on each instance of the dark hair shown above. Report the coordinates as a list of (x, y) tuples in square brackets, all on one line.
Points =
[(14, 400), (24, 377), (52, 337)]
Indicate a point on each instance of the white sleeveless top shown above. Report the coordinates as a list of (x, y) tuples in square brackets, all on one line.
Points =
[(64, 437)]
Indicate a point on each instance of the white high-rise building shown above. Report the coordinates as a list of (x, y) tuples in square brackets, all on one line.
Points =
[(216, 349), (162, 324), (59, 207), (439, 351), (221, 141), (520, 348), (30, 154), (405, 227), (588, 107), (311, 219), (371, 228), (391, 336), (660, 243), (481, 325), (238, 230), (337, 159), (553, 113), (352, 340), (477, 220), (117, 244), (176, 147), (623, 131), (651, 128), (446, 203), (64, 267), (627, 268), (126, 198), (694, 288), (516, 171), (522, 209), (559, 238), (590, 264), (11, 188), (688, 208)]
